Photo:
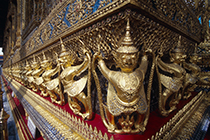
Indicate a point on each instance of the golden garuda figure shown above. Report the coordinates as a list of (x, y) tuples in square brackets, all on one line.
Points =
[(75, 89), (35, 66), (22, 70), (46, 65), (127, 108), (24, 77), (171, 77), (204, 50), (192, 76), (15, 72), (12, 71), (29, 76), (53, 85), (37, 74)]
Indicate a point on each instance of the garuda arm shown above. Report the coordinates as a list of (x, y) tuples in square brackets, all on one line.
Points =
[(103, 68), (164, 66), (69, 72), (192, 67), (188, 66), (84, 65), (55, 70)]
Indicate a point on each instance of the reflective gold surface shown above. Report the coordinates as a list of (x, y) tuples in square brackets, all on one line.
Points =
[(75, 88), (52, 82), (46, 76), (193, 76), (171, 84), (125, 93)]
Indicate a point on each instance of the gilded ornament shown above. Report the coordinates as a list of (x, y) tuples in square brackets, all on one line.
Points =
[(51, 86), (29, 76), (46, 65), (193, 76), (37, 71), (24, 77), (75, 88), (79, 10), (125, 93), (169, 86)]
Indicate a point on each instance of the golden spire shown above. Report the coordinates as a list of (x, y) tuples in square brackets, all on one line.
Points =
[(34, 62), (44, 58), (63, 49), (179, 47), (34, 58), (27, 63), (127, 43)]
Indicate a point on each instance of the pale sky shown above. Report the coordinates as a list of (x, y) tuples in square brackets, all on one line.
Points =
[(1, 53)]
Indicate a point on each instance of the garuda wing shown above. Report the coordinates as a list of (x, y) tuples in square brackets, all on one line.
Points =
[(74, 88), (39, 80), (170, 83), (52, 84)]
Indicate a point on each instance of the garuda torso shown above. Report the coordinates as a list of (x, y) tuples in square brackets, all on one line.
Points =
[(126, 93)]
